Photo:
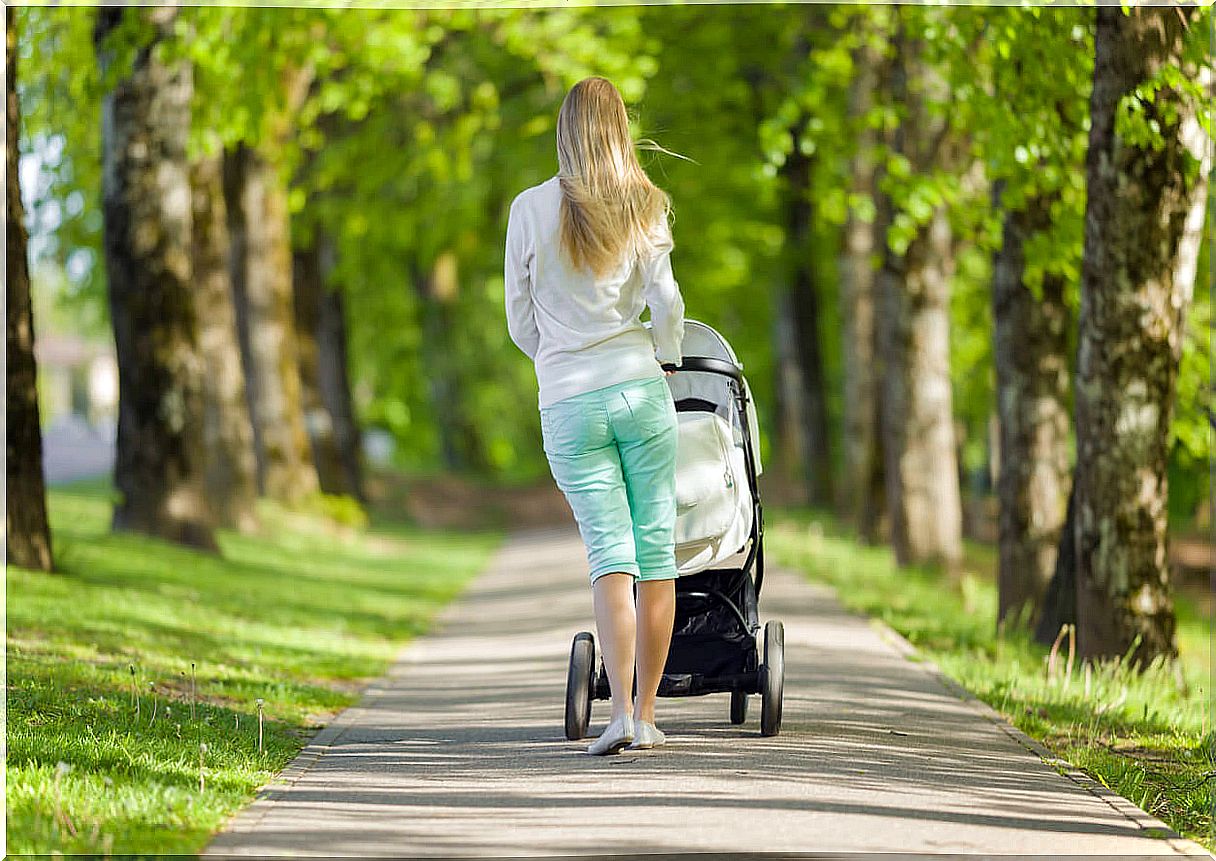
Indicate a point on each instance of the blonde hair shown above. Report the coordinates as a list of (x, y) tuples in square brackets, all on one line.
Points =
[(609, 209)]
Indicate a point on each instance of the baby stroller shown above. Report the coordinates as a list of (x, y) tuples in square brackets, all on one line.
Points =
[(719, 551)]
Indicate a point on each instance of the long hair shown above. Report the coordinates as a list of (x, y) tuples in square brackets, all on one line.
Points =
[(609, 206)]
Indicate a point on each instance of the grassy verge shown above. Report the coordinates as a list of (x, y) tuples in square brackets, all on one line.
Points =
[(1144, 736), (104, 734)]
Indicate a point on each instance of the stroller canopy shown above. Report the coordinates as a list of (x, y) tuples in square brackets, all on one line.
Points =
[(714, 501)]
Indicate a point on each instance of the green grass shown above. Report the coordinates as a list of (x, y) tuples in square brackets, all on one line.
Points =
[(297, 617), (1145, 736)]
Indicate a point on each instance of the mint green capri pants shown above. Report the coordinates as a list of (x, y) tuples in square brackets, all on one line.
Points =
[(612, 451)]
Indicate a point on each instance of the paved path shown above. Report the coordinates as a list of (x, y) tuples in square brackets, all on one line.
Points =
[(460, 751), (71, 450)]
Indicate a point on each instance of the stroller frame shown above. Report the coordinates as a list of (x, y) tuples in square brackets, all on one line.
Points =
[(715, 645)]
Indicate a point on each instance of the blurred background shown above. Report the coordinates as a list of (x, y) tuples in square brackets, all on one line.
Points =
[(875, 200)]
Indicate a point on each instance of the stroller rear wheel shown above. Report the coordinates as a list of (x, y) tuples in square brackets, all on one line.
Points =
[(579, 685), (738, 707), (772, 678)]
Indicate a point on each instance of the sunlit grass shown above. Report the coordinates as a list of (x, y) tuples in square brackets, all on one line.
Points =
[(297, 618), (1146, 736)]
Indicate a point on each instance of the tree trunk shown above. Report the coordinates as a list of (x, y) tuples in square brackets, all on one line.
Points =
[(27, 536), (146, 205), (861, 452), (874, 524), (790, 431), (307, 291), (335, 389), (917, 412), (261, 274), (437, 293), (230, 165), (231, 470), (1143, 212), (803, 305), (1060, 598), (1031, 358), (321, 331)]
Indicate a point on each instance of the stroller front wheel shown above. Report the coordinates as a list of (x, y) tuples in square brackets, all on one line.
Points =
[(579, 685)]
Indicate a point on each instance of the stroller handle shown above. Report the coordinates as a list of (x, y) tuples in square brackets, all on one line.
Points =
[(708, 365)]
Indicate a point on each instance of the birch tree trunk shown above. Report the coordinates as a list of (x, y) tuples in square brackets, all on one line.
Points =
[(1031, 358), (1143, 220), (146, 206), (27, 535), (231, 470)]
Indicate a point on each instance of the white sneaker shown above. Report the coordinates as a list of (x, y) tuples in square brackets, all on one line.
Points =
[(616, 735), (647, 736)]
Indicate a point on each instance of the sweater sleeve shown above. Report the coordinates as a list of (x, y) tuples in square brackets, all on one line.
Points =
[(662, 294), (517, 284)]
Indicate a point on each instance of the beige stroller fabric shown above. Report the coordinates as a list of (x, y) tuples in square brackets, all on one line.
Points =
[(714, 505)]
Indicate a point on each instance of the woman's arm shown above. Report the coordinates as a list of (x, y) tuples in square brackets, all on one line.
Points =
[(517, 283), (662, 294)]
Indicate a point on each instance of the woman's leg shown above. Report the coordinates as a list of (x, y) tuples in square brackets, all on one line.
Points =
[(656, 616), (648, 462), (586, 465), (614, 621)]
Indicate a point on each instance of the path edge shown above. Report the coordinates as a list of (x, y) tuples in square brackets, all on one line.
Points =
[(1142, 819), (250, 816)]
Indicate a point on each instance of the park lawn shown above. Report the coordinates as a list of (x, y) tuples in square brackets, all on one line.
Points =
[(1145, 737), (297, 617)]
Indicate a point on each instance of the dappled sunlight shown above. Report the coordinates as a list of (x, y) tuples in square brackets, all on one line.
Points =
[(129, 619), (461, 750), (302, 302)]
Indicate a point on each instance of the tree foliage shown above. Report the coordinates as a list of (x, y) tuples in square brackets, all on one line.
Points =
[(419, 126)]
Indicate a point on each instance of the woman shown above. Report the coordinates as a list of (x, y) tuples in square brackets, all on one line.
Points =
[(585, 251)]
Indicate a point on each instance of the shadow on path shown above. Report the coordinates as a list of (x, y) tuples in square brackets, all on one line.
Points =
[(459, 750)]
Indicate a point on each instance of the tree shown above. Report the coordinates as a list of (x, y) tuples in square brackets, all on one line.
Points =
[(438, 292), (334, 383), (1031, 358), (1060, 597), (862, 238), (256, 196), (801, 84), (801, 313), (321, 338), (27, 535), (230, 470), (1028, 119), (146, 204), (1146, 173), (917, 414), (442, 115)]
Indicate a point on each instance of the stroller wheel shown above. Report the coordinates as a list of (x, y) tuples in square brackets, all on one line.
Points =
[(772, 678), (578, 685), (738, 707)]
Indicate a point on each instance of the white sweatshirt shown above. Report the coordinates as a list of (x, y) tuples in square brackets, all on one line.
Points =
[(583, 332)]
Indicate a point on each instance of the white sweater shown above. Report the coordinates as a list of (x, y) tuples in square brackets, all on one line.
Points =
[(583, 332)]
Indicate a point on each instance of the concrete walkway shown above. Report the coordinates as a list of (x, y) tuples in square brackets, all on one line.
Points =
[(459, 751), (72, 450)]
